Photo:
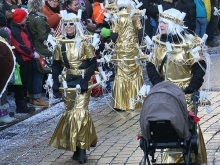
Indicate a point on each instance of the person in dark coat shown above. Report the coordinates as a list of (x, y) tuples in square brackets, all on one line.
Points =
[(24, 53), (188, 7)]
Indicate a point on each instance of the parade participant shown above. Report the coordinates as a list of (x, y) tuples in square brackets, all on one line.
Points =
[(128, 79), (7, 66), (179, 65), (75, 130)]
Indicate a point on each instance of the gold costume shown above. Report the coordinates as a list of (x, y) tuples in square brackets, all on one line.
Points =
[(177, 70), (128, 79), (75, 128)]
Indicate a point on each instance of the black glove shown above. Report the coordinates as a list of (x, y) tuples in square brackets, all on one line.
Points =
[(114, 37), (153, 74), (84, 86), (55, 87), (188, 90)]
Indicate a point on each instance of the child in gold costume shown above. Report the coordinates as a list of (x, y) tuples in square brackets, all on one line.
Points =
[(75, 130), (180, 65), (128, 79)]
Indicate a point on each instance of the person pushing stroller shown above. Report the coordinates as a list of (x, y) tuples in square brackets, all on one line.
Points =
[(179, 65)]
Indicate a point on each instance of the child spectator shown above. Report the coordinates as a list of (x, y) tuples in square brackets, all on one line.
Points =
[(24, 52)]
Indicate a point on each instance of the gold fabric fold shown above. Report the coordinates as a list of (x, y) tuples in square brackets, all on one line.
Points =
[(75, 127), (127, 84)]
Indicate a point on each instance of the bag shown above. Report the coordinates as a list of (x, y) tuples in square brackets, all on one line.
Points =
[(44, 64), (91, 27), (17, 76), (73, 80)]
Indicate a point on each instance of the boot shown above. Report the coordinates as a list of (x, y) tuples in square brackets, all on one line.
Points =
[(22, 107), (40, 102), (82, 156), (212, 44), (4, 116), (76, 154)]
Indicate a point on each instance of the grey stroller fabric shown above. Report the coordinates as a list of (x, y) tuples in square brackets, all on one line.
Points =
[(165, 101)]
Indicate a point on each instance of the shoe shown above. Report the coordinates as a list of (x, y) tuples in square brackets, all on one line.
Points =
[(7, 119), (40, 102), (82, 156), (23, 108), (212, 44), (76, 154), (31, 100), (2, 124)]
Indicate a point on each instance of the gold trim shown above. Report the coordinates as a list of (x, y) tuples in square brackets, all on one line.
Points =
[(175, 20)]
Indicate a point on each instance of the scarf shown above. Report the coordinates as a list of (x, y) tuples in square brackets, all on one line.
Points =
[(55, 10)]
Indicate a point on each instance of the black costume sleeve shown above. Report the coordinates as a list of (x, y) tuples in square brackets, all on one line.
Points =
[(140, 35), (84, 82), (197, 75), (153, 74), (56, 70)]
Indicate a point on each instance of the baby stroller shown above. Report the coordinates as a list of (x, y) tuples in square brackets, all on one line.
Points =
[(165, 123)]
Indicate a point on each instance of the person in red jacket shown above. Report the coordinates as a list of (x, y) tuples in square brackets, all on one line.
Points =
[(24, 52)]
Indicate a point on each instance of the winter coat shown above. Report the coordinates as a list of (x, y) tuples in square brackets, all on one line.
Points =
[(188, 7), (97, 16), (39, 30), (5, 8), (21, 41), (53, 18), (167, 5), (200, 6)]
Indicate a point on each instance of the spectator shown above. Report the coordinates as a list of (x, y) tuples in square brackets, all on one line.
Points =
[(52, 11), (72, 6), (212, 25), (3, 23), (39, 30), (167, 4), (98, 14), (151, 7), (6, 7), (188, 7), (24, 54), (203, 14)]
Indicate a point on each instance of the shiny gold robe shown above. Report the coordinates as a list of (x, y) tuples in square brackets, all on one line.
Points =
[(75, 127), (177, 69), (128, 79)]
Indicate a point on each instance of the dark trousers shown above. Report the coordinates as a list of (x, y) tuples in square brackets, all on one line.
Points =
[(20, 91), (212, 26)]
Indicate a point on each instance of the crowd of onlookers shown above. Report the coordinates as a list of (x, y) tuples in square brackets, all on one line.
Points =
[(27, 24)]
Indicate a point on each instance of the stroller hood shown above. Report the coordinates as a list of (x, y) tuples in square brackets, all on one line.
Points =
[(165, 101)]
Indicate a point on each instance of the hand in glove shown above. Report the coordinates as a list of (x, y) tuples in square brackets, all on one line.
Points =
[(55, 87), (84, 86), (188, 90)]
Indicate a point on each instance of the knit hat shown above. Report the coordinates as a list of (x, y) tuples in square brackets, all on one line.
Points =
[(18, 15), (105, 32), (3, 20)]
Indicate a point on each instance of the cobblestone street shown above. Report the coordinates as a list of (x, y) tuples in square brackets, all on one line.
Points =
[(26, 142)]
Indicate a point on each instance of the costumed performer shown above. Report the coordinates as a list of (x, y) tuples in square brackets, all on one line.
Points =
[(128, 78), (75, 130), (179, 65)]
